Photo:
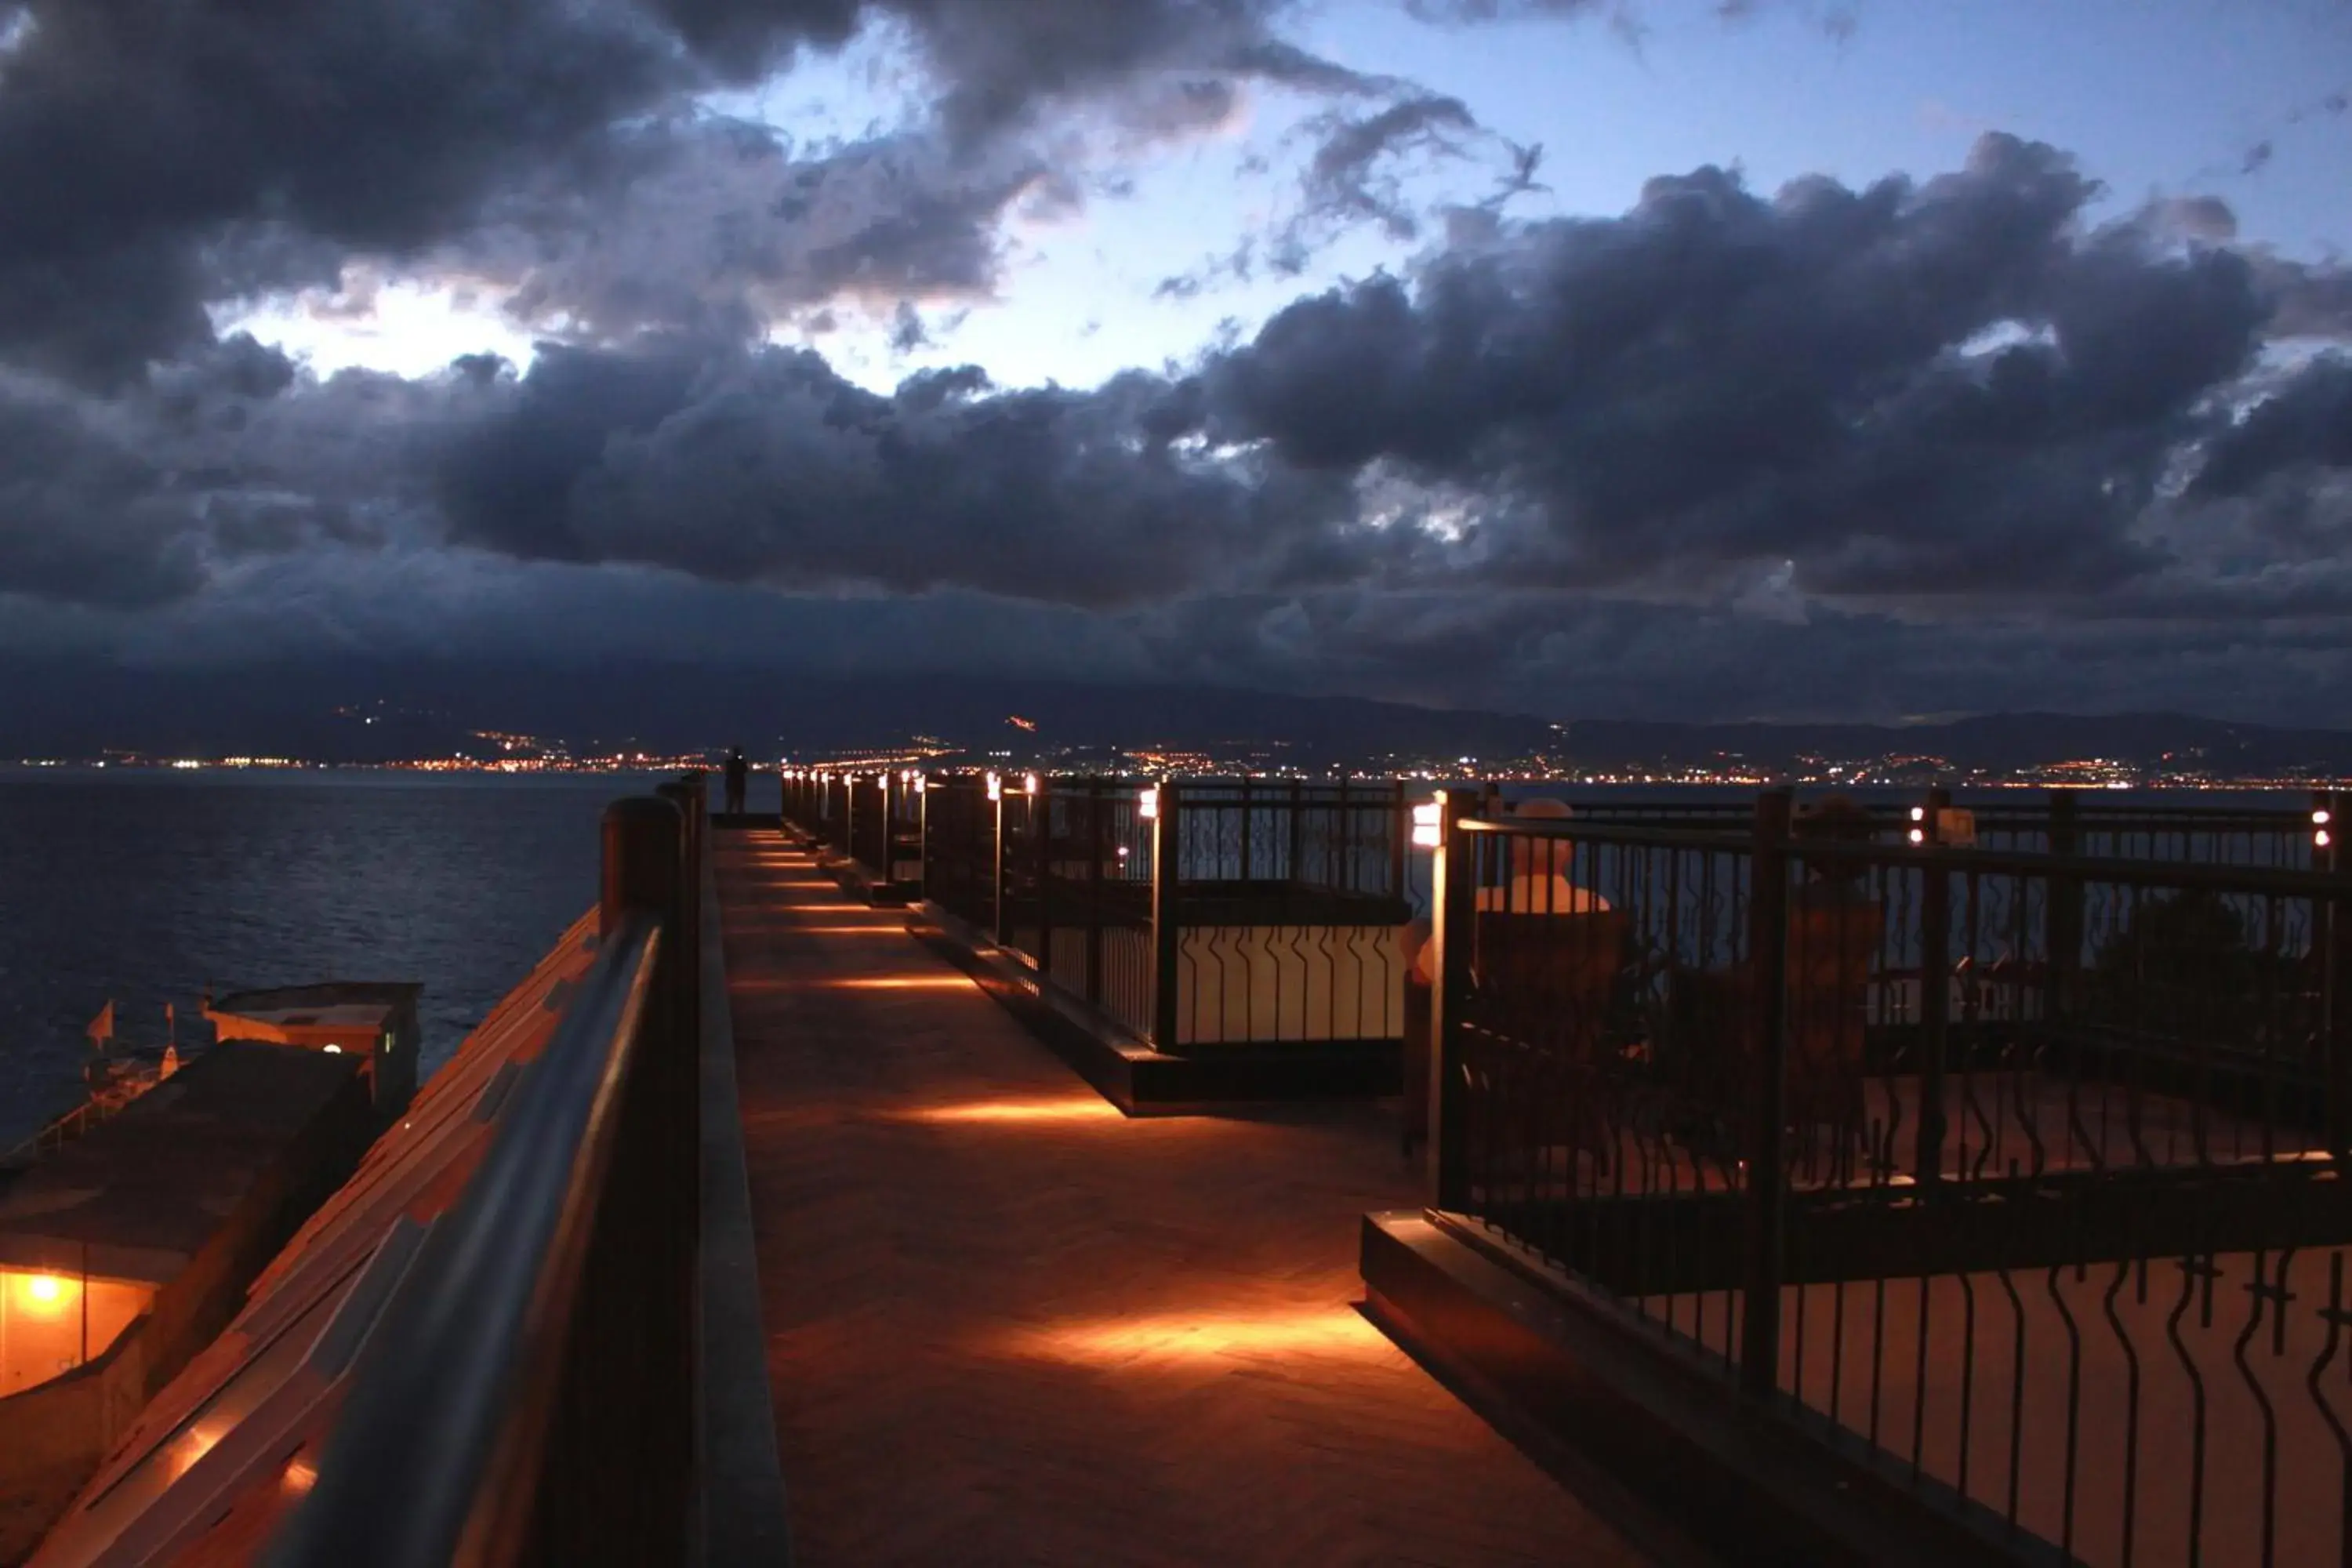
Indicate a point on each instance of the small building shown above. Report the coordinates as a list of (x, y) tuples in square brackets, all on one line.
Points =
[(371, 1020), (125, 1251), (208, 1469)]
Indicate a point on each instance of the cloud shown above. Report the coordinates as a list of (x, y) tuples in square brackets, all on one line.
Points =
[(1721, 450), (1348, 177), (2305, 423), (157, 161), (1931, 389), (712, 224), (765, 466)]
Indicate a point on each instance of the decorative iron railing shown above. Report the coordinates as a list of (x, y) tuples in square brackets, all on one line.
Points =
[(2015, 1175)]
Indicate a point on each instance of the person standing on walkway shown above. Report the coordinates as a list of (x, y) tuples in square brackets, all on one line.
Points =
[(739, 771)]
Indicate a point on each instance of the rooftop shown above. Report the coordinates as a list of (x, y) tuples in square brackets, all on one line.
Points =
[(145, 1191)]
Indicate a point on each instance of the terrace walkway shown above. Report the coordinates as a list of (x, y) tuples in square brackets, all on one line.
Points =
[(1006, 1324)]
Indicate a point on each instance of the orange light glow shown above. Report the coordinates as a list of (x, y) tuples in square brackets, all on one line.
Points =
[(300, 1478), (45, 1290), (1066, 1109), (869, 983), (895, 929), (1328, 1331)]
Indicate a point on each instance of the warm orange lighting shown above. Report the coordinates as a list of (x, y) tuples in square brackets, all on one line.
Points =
[(898, 928), (875, 982), (1069, 1107), (300, 1478), (45, 1290), (1330, 1330)]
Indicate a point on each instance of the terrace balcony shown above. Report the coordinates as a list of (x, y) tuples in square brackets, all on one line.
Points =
[(970, 1192)]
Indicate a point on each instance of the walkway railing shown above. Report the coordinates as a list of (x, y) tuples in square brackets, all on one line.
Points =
[(531, 1394), (1196, 915), (2015, 1180)]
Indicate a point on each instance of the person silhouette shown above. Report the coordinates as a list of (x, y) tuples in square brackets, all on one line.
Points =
[(738, 770)]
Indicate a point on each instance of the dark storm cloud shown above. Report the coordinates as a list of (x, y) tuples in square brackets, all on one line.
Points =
[(133, 137), (2305, 424), (1722, 448), (85, 517), (154, 159), (1950, 393), (767, 466), (1933, 388)]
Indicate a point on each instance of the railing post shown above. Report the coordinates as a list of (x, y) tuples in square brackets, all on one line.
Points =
[(1400, 840), (1167, 847), (2330, 939), (1298, 833), (1004, 937), (1341, 856), (2063, 916), (1935, 994), (616, 1476), (1095, 848), (1041, 830), (1454, 910), (1768, 1175), (1246, 809), (922, 838)]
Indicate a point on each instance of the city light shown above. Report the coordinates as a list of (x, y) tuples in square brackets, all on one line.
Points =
[(1147, 805), (44, 1295)]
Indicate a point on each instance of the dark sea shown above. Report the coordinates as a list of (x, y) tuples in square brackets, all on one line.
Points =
[(142, 888)]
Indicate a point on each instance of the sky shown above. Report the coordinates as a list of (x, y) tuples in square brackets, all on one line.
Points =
[(1629, 358)]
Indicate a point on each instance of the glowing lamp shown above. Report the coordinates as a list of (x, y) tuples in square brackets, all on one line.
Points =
[(333, 1051), (1147, 805), (1426, 824), (995, 787), (45, 1288), (1029, 785), (2321, 817), (1918, 836), (1919, 814), (2320, 840)]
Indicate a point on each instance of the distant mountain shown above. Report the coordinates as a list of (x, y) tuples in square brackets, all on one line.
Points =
[(354, 712), (357, 712), (2000, 742)]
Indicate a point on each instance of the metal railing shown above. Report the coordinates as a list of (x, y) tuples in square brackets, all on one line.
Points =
[(1198, 915), (2015, 1177), (530, 1394)]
